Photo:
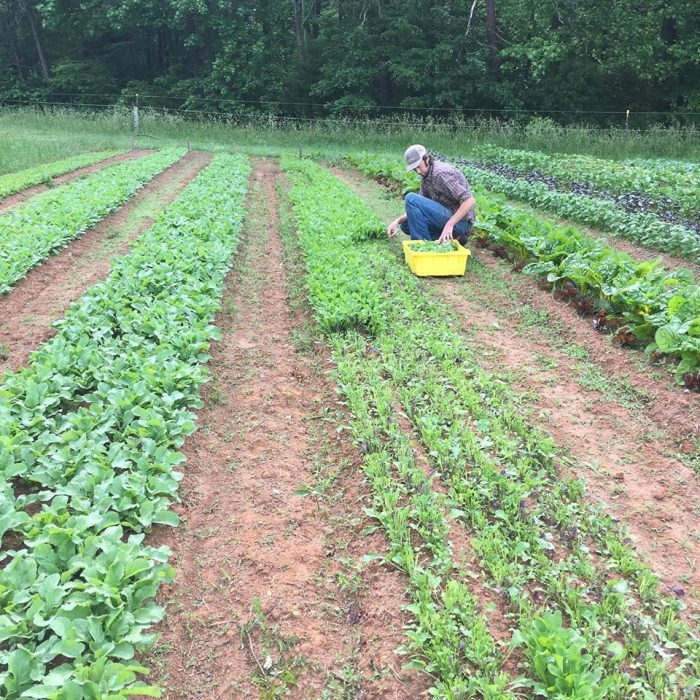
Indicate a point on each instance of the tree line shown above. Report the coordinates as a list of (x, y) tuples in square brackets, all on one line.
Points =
[(576, 60)]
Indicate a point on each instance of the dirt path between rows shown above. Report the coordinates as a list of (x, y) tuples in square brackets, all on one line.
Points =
[(20, 197), (626, 464), (626, 450), (270, 599), (28, 311)]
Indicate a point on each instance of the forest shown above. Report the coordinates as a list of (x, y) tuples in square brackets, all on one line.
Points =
[(575, 61)]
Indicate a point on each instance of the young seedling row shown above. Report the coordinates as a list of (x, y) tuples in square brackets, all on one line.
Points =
[(586, 615)]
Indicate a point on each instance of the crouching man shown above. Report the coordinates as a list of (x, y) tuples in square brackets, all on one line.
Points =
[(443, 209)]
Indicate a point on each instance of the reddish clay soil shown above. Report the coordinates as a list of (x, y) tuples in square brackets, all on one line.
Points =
[(19, 197), (247, 535), (671, 407), (626, 466), (29, 309), (627, 455)]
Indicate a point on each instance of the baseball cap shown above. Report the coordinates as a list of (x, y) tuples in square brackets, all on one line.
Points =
[(414, 154)]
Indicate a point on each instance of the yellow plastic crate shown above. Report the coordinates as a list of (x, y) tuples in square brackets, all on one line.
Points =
[(426, 264)]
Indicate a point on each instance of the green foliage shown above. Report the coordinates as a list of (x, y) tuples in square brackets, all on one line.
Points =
[(647, 297), (89, 433), (360, 58), (432, 246), (534, 540), (656, 180), (29, 233), (559, 660), (14, 182), (89, 77), (646, 229), (678, 330), (333, 222)]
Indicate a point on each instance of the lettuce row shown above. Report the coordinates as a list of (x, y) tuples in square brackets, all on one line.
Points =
[(15, 182), (645, 229), (89, 434), (31, 232), (333, 223)]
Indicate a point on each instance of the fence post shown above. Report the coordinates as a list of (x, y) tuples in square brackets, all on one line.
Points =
[(136, 114), (627, 119)]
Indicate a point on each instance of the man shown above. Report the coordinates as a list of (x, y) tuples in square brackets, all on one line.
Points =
[(444, 207)]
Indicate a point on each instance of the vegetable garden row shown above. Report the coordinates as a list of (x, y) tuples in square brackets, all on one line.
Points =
[(587, 617), (15, 182), (640, 213), (643, 303), (90, 433), (50, 220), (657, 188)]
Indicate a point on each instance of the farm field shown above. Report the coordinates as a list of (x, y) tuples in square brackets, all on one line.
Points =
[(246, 453)]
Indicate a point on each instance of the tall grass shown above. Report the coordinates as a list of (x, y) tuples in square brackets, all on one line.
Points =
[(31, 139), (32, 135)]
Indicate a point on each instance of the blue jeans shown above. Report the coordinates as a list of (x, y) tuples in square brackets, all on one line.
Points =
[(427, 218)]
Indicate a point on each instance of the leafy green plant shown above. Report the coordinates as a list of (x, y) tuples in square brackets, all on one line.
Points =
[(432, 247), (89, 432), (641, 297), (532, 534), (332, 225), (14, 182), (647, 229), (661, 183), (558, 657), (31, 232)]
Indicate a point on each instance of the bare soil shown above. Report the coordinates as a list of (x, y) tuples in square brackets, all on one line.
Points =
[(28, 311), (629, 448), (628, 466), (269, 591), (21, 197)]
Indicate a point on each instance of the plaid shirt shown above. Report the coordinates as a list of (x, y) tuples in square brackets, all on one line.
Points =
[(447, 186)]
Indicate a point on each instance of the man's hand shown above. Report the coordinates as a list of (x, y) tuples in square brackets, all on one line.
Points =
[(393, 227), (446, 234)]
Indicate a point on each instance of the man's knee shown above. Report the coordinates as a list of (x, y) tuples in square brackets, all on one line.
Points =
[(411, 199)]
